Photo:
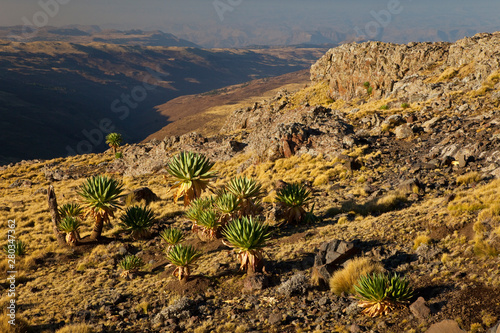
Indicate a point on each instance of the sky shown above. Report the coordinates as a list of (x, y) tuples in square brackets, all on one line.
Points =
[(195, 17)]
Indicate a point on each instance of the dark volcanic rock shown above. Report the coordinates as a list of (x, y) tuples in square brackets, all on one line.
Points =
[(331, 255)]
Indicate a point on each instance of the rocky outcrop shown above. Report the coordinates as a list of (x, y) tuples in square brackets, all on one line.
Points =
[(402, 70)]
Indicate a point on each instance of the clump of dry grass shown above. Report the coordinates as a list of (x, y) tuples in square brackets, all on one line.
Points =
[(389, 202), (21, 325), (76, 328), (469, 178), (343, 281), (421, 239)]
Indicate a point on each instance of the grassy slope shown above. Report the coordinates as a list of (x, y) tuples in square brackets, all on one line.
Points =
[(51, 279)]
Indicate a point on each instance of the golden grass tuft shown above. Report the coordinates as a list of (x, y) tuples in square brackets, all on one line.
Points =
[(447, 74), (390, 202), (321, 180), (21, 325), (316, 94), (76, 328), (343, 281), (482, 248), (469, 178), (421, 239)]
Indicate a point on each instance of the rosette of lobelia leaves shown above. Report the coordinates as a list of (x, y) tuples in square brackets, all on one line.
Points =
[(114, 140), (248, 237), (248, 191), (195, 208), (130, 265), (192, 174), (71, 210), (227, 204), (100, 195), (70, 225), (138, 221), (172, 236), (183, 258), (381, 293), (208, 224), (296, 198)]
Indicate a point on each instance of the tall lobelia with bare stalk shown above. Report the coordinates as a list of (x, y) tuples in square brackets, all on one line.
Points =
[(100, 195)]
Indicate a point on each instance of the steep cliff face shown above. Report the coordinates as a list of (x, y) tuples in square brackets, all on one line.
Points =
[(384, 65)]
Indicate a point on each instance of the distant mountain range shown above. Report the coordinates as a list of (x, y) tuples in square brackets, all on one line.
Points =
[(89, 34), (60, 98)]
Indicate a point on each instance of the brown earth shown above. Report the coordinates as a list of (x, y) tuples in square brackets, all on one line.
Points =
[(206, 113)]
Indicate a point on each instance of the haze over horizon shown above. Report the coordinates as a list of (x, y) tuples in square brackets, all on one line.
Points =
[(227, 23)]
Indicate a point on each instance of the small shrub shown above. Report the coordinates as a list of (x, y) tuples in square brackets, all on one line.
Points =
[(389, 202), (344, 280), (321, 180), (183, 257), (405, 105), (118, 155), (381, 293), (483, 249), (384, 107)]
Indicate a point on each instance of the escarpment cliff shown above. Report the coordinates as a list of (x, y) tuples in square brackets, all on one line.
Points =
[(389, 67)]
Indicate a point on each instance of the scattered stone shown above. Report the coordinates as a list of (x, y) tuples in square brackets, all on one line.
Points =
[(462, 160), (297, 284), (275, 318), (352, 309), (445, 326), (403, 132), (331, 255), (41, 190), (21, 182), (427, 252), (495, 329), (354, 328), (410, 186), (143, 193), (257, 281), (420, 309)]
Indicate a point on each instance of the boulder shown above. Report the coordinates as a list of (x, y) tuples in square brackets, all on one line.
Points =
[(445, 326), (143, 193), (420, 309), (329, 257), (403, 132)]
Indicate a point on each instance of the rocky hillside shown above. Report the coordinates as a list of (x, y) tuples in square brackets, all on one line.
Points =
[(404, 175)]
